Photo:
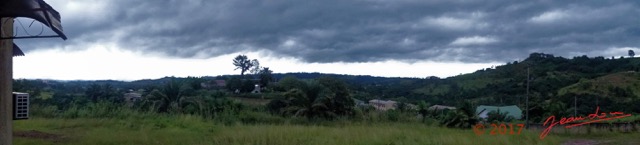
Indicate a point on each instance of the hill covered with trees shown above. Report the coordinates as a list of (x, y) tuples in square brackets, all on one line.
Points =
[(555, 83)]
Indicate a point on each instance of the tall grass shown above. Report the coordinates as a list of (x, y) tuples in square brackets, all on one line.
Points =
[(105, 124), (255, 115), (188, 129)]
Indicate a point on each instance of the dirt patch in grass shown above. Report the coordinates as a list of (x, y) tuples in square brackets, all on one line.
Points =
[(586, 142), (252, 101), (34, 134), (581, 142)]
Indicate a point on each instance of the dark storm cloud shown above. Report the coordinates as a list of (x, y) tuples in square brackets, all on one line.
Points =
[(359, 30)]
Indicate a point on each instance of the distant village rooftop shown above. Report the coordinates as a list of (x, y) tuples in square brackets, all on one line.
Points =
[(441, 107)]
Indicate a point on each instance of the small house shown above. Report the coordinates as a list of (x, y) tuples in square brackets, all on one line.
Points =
[(214, 84), (383, 105), (359, 103), (256, 90), (132, 97), (220, 83), (441, 107)]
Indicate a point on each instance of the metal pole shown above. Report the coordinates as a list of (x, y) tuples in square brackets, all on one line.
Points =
[(6, 80), (575, 105), (527, 101)]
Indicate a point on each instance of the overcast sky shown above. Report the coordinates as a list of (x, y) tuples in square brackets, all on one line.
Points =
[(137, 39)]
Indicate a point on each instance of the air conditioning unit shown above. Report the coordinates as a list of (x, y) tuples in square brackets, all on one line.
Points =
[(20, 106)]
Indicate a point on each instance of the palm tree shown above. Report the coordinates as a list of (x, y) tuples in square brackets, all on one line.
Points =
[(171, 97), (463, 117), (297, 103), (337, 93), (314, 101), (423, 110), (322, 98)]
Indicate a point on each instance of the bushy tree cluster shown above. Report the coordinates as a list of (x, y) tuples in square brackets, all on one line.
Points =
[(463, 117), (326, 98)]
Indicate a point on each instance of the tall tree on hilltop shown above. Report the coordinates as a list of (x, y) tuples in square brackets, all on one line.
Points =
[(255, 67), (243, 63), (631, 53)]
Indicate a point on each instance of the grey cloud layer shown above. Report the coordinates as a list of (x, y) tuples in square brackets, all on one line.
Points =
[(360, 30)]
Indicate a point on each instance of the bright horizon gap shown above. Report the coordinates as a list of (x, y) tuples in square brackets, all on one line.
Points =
[(108, 62), (212, 76)]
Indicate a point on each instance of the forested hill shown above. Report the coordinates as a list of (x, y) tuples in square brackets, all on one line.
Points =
[(352, 80), (554, 81)]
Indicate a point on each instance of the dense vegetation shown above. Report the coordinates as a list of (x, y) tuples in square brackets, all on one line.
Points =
[(557, 86), (612, 84), (185, 129)]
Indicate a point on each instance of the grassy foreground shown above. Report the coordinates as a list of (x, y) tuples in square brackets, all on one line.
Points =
[(190, 130)]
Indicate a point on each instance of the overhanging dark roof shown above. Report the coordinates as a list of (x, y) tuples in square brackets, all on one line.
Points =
[(17, 51), (35, 9)]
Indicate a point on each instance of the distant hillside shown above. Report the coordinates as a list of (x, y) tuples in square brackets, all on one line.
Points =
[(357, 79), (351, 79), (593, 80), (549, 70), (616, 85)]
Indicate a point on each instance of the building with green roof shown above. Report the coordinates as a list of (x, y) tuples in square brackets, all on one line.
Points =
[(482, 111)]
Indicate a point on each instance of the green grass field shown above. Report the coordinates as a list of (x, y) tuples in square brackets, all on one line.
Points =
[(190, 130), (101, 125)]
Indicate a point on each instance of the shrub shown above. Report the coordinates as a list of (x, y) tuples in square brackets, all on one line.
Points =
[(44, 111), (463, 117), (253, 117)]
